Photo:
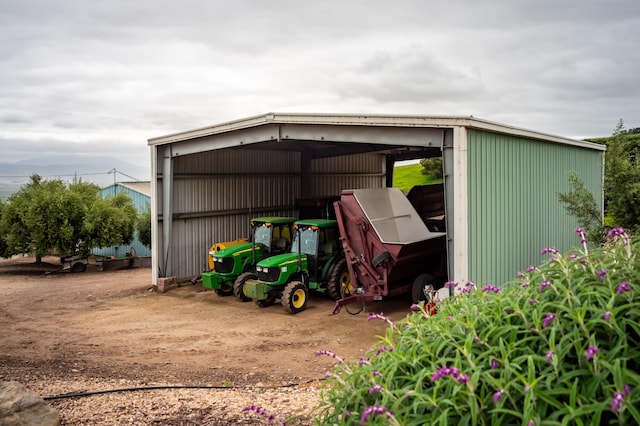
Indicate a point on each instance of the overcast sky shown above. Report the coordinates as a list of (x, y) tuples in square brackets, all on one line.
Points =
[(102, 77)]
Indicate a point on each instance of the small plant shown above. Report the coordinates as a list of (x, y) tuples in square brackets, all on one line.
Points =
[(559, 345)]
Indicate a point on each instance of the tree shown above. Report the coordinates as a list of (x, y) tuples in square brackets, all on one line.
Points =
[(51, 217), (622, 179), (143, 225), (580, 203), (432, 167)]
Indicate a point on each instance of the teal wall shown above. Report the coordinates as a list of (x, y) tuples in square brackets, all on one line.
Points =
[(513, 209), (140, 201)]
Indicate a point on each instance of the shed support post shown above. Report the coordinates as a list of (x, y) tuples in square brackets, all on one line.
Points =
[(458, 199), (167, 213)]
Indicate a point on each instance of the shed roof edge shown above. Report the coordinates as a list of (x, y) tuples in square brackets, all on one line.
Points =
[(437, 121)]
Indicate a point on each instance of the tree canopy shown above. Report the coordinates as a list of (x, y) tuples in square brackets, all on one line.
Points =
[(621, 186), (49, 216)]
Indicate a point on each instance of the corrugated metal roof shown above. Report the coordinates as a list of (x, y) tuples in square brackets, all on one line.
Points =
[(143, 187), (431, 121)]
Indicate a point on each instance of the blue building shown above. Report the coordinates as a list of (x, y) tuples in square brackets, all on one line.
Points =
[(140, 194)]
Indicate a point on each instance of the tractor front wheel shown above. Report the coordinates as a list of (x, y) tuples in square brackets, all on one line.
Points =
[(239, 287), (294, 297), (225, 290)]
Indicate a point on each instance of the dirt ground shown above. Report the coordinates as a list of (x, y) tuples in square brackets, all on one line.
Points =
[(111, 325)]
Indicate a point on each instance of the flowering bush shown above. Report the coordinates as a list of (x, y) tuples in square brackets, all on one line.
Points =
[(559, 345)]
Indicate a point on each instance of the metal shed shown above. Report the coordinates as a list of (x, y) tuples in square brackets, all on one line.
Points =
[(140, 194), (500, 182)]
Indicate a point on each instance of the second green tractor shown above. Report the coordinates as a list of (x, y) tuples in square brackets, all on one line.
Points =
[(315, 262)]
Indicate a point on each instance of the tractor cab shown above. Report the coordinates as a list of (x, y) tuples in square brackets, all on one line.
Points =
[(318, 240)]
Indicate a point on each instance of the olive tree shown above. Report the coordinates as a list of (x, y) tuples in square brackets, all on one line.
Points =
[(50, 216)]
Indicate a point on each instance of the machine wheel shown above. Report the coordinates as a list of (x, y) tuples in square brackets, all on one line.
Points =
[(225, 291), (294, 297), (339, 285), (270, 300), (380, 259), (79, 267), (423, 285), (238, 285)]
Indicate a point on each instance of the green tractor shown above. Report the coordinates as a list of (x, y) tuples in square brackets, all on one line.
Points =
[(236, 262), (316, 262)]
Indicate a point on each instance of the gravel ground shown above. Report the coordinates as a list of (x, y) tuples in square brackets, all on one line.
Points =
[(293, 404)]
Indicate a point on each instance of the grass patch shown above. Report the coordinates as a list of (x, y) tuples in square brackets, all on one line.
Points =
[(407, 176)]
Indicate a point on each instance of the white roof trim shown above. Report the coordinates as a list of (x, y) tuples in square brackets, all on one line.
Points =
[(370, 120)]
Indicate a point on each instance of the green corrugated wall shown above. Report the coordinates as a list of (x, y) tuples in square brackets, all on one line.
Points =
[(513, 209)]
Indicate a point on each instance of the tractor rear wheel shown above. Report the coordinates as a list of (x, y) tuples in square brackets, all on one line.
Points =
[(339, 285), (423, 287), (238, 286), (294, 297)]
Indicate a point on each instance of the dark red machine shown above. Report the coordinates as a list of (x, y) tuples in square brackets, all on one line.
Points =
[(388, 247)]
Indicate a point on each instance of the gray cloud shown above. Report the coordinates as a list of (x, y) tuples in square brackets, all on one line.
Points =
[(79, 76)]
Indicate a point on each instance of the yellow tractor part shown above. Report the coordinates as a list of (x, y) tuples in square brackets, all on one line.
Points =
[(220, 246)]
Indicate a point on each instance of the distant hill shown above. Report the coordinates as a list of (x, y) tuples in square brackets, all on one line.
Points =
[(98, 170)]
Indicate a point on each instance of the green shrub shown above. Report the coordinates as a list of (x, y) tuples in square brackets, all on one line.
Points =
[(559, 345)]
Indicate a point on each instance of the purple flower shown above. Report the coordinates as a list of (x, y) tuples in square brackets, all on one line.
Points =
[(379, 316), (618, 398), (450, 372), (547, 320), (415, 307), (533, 301), (375, 388), (329, 353), (552, 250), (607, 316), (549, 356), (544, 284), (531, 268), (375, 373), (527, 388), (260, 411), (583, 261), (374, 410), (582, 234), (497, 396), (617, 232), (531, 423), (602, 273), (623, 287), (347, 414), (525, 284), (449, 318), (494, 364), (591, 352), (384, 349), (450, 284), (362, 360), (573, 256), (491, 288)]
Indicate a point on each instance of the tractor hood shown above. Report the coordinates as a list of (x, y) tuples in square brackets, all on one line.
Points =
[(281, 260), (236, 250)]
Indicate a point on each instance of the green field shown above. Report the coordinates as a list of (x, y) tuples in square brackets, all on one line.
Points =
[(406, 177)]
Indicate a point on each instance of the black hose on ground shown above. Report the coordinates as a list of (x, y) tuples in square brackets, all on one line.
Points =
[(162, 387)]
